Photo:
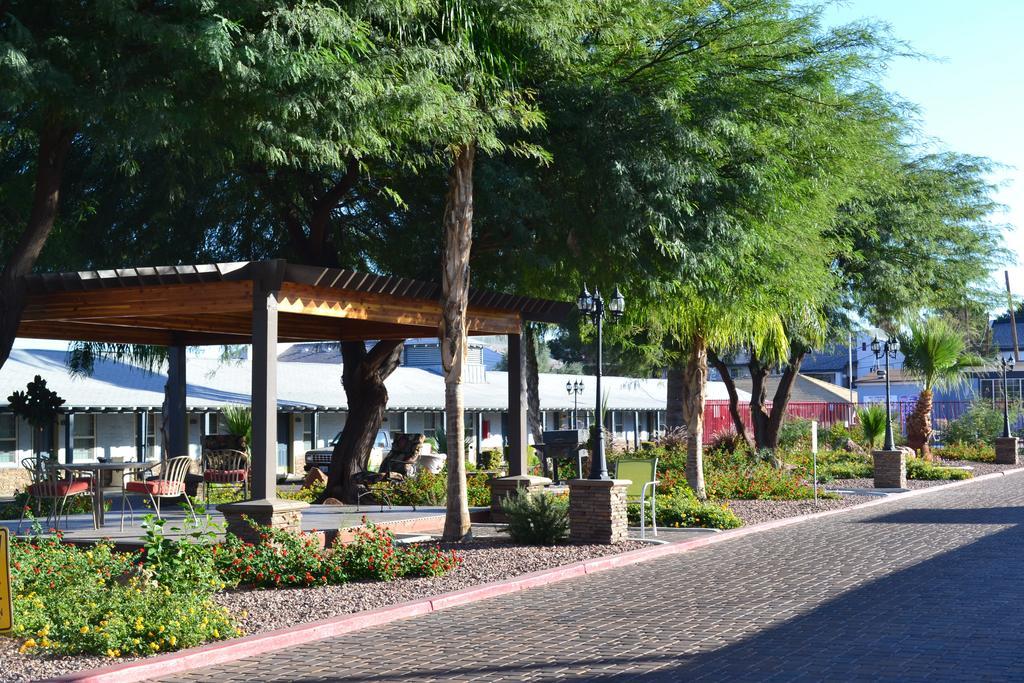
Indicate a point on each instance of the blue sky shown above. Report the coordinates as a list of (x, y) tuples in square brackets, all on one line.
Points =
[(971, 96)]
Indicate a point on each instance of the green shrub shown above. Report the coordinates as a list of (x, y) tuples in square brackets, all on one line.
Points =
[(846, 469), (872, 424), (728, 440), (755, 482), (285, 559), (185, 565), (981, 422), (917, 468), (306, 495), (836, 436), (681, 509), (72, 600), (424, 488), (795, 431), (978, 452), (536, 519), (492, 459), (373, 556), (477, 490)]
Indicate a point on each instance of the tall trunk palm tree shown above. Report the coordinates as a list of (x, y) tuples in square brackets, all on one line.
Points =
[(933, 352)]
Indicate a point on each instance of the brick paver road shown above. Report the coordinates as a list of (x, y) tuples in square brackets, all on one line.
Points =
[(923, 588)]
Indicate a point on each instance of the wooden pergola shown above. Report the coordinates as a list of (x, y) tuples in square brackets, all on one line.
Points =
[(263, 303)]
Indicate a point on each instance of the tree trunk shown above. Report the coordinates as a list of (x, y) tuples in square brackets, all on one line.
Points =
[(533, 386), (458, 241), (363, 375), (695, 380), (734, 396), (759, 415), (54, 144), (675, 392), (919, 425), (780, 402)]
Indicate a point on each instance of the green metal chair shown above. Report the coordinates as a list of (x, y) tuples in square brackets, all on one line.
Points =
[(643, 477)]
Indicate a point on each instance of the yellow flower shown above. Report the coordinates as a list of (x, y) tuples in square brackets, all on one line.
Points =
[(173, 640), (216, 633), (84, 629), (154, 647), (44, 642), (162, 629)]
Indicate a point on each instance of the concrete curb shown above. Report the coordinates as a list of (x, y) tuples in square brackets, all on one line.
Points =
[(248, 646)]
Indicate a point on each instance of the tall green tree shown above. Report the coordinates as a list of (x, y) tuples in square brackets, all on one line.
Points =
[(96, 84)]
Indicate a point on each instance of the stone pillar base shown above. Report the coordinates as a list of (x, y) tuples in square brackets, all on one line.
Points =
[(597, 510), (890, 469), (502, 487), (1007, 450), (279, 514)]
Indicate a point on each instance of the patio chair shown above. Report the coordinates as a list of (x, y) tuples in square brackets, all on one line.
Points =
[(643, 477), (166, 480), (225, 467), (50, 482)]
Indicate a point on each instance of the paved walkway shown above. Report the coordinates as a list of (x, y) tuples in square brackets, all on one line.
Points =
[(927, 588)]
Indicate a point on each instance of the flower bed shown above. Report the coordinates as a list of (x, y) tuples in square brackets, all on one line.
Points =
[(70, 600)]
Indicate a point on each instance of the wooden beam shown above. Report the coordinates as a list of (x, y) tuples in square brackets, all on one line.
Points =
[(208, 297), (314, 301), (93, 333)]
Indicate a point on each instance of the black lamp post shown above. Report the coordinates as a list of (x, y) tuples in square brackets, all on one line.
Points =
[(1006, 365), (574, 389), (889, 348), (594, 306)]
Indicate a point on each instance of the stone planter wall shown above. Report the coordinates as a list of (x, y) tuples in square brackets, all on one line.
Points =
[(1008, 450), (502, 487), (597, 511), (890, 469), (279, 514)]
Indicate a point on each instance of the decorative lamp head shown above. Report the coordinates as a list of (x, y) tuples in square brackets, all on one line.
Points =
[(585, 302), (876, 347), (617, 304)]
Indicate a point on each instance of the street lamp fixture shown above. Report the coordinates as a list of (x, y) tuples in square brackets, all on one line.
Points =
[(574, 389), (888, 348), (1006, 365), (593, 306)]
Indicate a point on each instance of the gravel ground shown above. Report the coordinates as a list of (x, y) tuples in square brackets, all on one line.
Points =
[(757, 511), (484, 560), (977, 468)]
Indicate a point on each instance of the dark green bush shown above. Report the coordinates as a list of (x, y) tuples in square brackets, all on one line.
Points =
[(795, 431), (681, 509), (980, 423), (918, 468), (978, 452), (537, 519)]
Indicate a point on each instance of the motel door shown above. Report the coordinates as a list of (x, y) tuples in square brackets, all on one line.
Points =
[(284, 438)]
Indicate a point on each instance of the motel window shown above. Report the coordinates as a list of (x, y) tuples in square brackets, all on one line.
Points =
[(84, 434), (8, 437)]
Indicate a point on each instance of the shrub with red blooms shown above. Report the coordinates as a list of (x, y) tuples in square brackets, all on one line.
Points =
[(286, 559)]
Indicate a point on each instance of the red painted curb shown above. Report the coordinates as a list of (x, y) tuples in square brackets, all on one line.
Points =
[(248, 646)]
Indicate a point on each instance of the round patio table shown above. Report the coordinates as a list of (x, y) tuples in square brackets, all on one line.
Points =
[(97, 469)]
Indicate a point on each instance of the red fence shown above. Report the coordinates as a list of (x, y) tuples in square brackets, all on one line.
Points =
[(717, 418)]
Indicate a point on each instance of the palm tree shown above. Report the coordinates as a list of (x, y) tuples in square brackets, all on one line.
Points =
[(933, 353)]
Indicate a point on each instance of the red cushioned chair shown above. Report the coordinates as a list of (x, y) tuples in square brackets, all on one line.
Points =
[(53, 483), (165, 479), (225, 467)]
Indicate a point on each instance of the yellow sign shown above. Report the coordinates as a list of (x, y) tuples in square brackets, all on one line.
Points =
[(6, 604)]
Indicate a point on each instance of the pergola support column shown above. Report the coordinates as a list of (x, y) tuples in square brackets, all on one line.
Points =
[(177, 419), (517, 419), (264, 509)]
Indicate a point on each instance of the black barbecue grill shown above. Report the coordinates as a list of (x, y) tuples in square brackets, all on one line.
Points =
[(563, 444)]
